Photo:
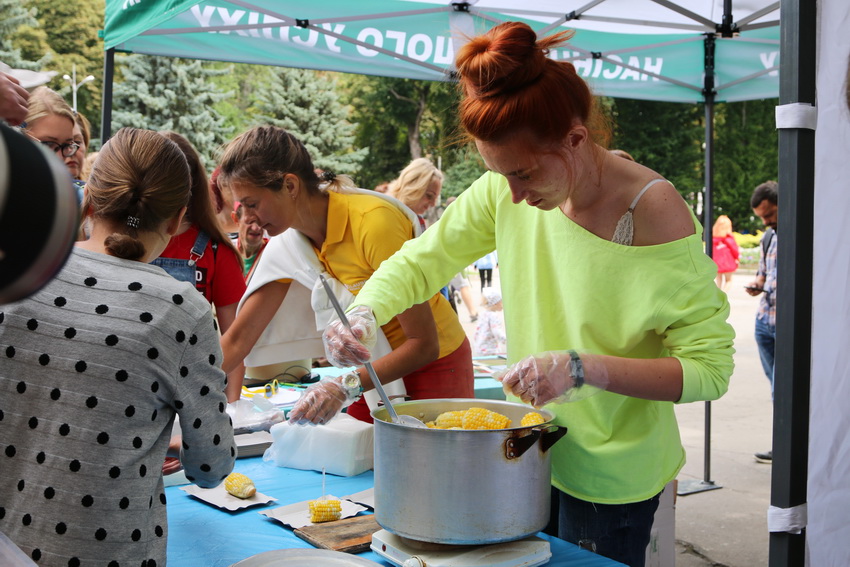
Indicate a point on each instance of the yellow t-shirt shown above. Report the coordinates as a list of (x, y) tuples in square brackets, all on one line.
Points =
[(362, 232)]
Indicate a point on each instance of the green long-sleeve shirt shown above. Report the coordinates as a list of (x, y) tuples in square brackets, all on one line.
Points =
[(565, 288)]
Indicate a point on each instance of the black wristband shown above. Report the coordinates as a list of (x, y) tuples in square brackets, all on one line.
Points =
[(576, 369)]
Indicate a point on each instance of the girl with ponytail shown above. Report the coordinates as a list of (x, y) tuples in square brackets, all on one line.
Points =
[(611, 311), (96, 366)]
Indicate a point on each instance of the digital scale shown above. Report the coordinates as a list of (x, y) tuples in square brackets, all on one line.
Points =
[(405, 552)]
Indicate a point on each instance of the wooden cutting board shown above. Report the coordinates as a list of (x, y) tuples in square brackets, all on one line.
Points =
[(351, 535)]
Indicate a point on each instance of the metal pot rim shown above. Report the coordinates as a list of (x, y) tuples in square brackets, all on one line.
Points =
[(427, 410)]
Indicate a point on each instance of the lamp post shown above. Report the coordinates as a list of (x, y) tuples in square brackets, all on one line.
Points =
[(75, 85)]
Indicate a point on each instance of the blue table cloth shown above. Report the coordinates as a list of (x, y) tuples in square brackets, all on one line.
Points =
[(200, 534)]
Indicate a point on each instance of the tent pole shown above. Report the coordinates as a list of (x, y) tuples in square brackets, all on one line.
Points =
[(792, 369), (708, 222), (709, 94), (106, 107)]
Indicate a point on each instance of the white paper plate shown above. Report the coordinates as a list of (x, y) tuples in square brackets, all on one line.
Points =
[(304, 558), (219, 497)]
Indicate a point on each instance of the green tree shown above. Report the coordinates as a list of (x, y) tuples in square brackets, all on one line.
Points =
[(242, 79), (665, 137), (400, 120), (13, 17), (467, 167), (747, 154), (162, 93), (306, 104)]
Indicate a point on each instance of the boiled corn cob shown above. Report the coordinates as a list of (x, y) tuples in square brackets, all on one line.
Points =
[(531, 418), (473, 418), (239, 485), (480, 418), (324, 510), (449, 419)]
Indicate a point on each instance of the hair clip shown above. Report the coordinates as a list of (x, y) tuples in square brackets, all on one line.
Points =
[(133, 222)]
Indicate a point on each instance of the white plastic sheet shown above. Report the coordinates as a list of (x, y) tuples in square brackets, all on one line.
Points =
[(828, 532)]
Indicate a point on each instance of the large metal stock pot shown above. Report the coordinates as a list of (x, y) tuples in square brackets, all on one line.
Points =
[(462, 487)]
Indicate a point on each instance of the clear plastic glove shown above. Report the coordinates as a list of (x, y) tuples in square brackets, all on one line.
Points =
[(320, 403), (13, 100), (345, 347), (553, 377)]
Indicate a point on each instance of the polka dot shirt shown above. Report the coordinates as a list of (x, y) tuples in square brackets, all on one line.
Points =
[(93, 370)]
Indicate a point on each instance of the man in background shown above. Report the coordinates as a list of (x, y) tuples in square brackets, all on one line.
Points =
[(764, 205)]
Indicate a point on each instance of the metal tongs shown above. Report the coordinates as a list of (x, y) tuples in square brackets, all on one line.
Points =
[(394, 417)]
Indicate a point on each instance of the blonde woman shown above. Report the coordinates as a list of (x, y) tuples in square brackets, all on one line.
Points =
[(51, 122), (418, 186), (725, 252)]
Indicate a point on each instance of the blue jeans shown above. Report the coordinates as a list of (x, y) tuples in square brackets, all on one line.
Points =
[(617, 531), (766, 341)]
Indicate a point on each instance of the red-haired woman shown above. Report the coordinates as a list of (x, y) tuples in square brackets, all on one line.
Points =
[(624, 303)]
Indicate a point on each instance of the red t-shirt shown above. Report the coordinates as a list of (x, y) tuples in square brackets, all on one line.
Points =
[(218, 274)]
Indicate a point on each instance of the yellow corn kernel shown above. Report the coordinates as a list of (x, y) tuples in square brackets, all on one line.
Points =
[(531, 418), (239, 485), (324, 510), (449, 419), (480, 418), (431, 425)]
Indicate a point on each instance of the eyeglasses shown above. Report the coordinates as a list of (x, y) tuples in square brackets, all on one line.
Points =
[(66, 150)]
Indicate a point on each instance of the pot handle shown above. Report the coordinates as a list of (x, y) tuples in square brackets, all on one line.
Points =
[(516, 446), (550, 436)]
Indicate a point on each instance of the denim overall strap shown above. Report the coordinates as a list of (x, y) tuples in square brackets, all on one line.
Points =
[(198, 248), (184, 270)]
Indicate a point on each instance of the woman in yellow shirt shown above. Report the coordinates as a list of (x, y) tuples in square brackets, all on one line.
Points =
[(271, 174)]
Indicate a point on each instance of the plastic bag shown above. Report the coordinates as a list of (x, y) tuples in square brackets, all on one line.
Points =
[(344, 446), (257, 414)]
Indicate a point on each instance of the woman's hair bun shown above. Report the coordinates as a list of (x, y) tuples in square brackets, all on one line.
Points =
[(503, 60)]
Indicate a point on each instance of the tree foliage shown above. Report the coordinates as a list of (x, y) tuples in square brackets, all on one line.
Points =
[(669, 138), (747, 154), (400, 120), (306, 104), (467, 168), (665, 137), (163, 93), (13, 17)]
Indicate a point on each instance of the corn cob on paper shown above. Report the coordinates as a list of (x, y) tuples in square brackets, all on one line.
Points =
[(220, 498), (298, 515)]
